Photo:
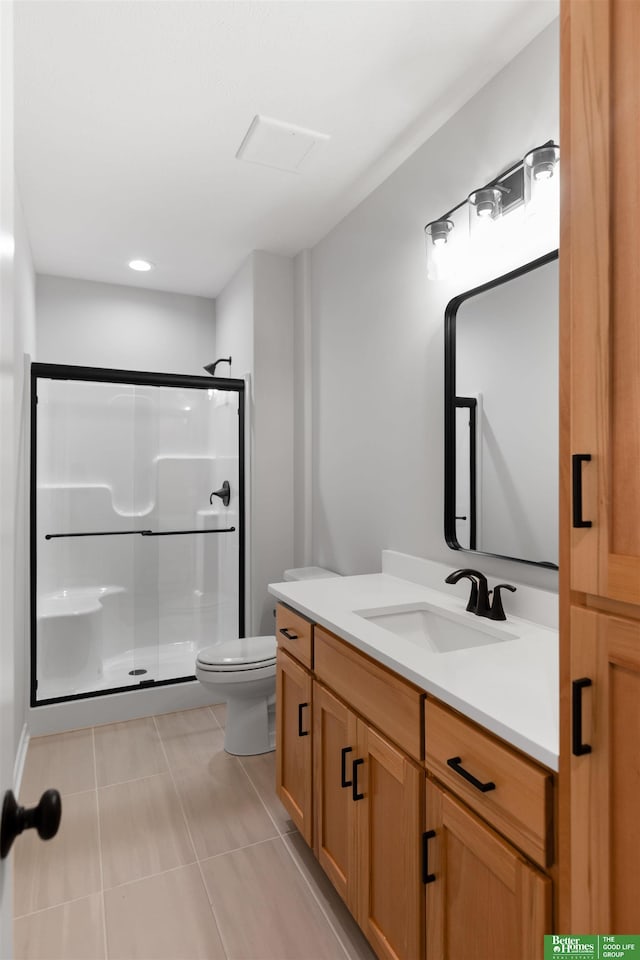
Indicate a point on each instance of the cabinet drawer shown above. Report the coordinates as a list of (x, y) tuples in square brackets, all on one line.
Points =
[(392, 704), (294, 634), (520, 806)]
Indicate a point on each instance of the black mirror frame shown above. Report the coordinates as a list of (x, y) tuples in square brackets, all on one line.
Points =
[(450, 408)]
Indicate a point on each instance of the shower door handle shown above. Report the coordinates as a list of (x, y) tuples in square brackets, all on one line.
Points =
[(177, 533)]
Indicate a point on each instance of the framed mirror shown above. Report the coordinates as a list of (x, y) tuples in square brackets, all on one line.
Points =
[(501, 416)]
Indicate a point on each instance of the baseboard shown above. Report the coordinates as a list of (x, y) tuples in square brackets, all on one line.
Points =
[(21, 756)]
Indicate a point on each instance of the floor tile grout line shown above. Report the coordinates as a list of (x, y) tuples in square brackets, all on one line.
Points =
[(55, 906), (122, 783), (247, 846), (184, 817), (104, 909), (270, 815), (28, 801), (282, 835), (317, 900), (150, 876)]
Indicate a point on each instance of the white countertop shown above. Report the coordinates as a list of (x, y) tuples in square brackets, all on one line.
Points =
[(510, 688)]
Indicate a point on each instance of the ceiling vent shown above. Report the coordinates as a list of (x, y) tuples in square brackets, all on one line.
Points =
[(283, 146)]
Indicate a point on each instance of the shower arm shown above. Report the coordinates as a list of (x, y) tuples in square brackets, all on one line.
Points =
[(211, 367)]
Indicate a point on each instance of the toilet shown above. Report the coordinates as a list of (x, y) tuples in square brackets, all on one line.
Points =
[(242, 672)]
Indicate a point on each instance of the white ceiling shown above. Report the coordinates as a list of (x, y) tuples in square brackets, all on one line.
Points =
[(129, 116)]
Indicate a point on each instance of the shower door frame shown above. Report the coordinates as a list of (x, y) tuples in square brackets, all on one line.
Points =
[(61, 371)]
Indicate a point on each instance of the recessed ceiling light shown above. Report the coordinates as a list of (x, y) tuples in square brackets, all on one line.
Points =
[(141, 265)]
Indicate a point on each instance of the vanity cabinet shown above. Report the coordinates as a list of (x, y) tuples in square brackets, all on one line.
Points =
[(605, 774), (505, 788), (600, 469), (372, 735), (483, 898), (600, 292), (368, 797), (294, 717)]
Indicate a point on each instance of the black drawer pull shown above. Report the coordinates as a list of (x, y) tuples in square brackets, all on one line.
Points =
[(354, 774), (578, 747), (288, 634), (426, 876), (301, 732), (343, 779), (576, 462), (456, 764)]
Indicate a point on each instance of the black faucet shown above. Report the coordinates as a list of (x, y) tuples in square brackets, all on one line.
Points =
[(497, 611), (479, 596)]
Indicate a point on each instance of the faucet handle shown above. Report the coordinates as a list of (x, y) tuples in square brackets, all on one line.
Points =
[(497, 610)]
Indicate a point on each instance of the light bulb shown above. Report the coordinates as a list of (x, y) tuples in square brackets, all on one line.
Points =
[(140, 265), (439, 241)]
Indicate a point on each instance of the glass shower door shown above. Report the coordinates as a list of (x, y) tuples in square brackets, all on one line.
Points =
[(86, 534), (136, 529), (193, 546)]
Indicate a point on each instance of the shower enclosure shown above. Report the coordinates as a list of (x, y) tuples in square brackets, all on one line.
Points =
[(137, 527)]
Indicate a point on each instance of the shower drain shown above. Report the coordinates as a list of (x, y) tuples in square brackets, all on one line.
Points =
[(136, 673)]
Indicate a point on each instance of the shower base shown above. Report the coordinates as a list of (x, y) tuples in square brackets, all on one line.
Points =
[(168, 661)]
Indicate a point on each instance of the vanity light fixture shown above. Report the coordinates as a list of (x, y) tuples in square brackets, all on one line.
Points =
[(485, 204), (541, 163), (140, 265), (520, 184), (439, 231)]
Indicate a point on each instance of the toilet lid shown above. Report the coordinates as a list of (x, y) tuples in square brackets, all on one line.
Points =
[(242, 653)]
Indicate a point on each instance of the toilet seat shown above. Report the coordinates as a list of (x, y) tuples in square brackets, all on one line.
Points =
[(243, 654)]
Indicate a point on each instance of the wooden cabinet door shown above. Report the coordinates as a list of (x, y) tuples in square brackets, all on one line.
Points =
[(605, 782), (600, 290), (485, 899), (334, 750), (389, 837), (294, 757)]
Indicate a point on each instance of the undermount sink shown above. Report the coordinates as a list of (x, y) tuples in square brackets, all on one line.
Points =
[(435, 629)]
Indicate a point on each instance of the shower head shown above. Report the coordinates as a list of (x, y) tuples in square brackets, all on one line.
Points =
[(211, 367)]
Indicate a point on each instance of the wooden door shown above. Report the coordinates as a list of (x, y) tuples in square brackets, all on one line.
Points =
[(390, 822), (600, 291), (485, 900), (605, 775), (334, 750), (294, 757)]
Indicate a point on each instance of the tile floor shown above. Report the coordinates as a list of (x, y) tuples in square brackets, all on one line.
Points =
[(169, 848)]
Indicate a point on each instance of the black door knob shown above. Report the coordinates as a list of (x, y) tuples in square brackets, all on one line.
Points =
[(45, 818)]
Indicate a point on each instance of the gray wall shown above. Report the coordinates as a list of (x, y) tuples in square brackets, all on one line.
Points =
[(255, 326), (130, 328), (377, 369)]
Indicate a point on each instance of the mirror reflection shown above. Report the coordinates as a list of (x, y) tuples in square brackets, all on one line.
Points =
[(501, 416)]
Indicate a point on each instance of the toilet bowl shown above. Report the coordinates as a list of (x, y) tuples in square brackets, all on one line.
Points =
[(243, 672)]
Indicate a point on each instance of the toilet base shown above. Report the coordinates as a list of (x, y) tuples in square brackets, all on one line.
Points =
[(250, 727)]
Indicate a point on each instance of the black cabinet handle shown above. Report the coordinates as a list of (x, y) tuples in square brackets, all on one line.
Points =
[(343, 779), (577, 460), (287, 633), (456, 764), (45, 818), (301, 732), (354, 774), (578, 747), (426, 876)]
